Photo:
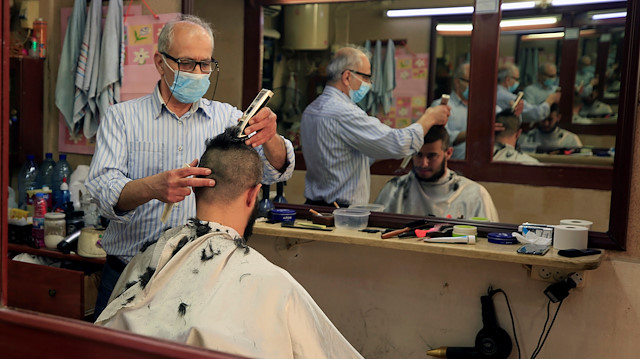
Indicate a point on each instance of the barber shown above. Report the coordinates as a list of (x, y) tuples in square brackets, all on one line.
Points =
[(143, 144), (340, 141)]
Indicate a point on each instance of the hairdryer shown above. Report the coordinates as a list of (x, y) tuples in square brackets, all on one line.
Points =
[(492, 342)]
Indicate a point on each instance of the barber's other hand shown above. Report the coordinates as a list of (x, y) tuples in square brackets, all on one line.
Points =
[(174, 185), (264, 125)]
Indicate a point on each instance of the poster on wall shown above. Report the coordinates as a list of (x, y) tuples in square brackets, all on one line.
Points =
[(139, 73), (409, 96)]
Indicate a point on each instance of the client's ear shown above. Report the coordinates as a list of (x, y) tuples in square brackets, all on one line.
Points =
[(252, 195)]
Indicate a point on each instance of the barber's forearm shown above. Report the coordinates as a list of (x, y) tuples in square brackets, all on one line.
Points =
[(461, 137), (134, 194), (276, 152)]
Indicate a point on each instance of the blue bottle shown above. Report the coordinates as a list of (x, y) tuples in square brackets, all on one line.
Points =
[(45, 171), (64, 198), (265, 206), (61, 170), (27, 180), (280, 193)]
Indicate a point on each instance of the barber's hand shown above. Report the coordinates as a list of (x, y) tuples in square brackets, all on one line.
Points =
[(553, 98), (264, 125), (519, 108), (174, 185), (594, 81), (498, 127), (437, 115)]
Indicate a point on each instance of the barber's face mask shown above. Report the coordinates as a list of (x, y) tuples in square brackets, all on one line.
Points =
[(465, 93), (187, 87), (357, 95), (513, 87), (551, 82)]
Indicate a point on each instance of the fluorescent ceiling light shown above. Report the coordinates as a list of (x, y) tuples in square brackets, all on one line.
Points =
[(579, 2), (609, 15), (431, 11), (454, 27), (458, 10), (529, 21), (546, 35), (518, 5)]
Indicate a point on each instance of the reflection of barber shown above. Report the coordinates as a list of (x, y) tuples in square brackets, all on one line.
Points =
[(143, 144), (458, 102), (339, 140), (585, 77), (549, 136), (508, 82), (432, 189), (547, 84), (504, 148)]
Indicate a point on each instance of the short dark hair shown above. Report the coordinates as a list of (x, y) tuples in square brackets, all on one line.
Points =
[(234, 166), (554, 108), (436, 133), (510, 121)]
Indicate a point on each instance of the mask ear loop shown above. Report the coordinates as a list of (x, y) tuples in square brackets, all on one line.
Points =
[(175, 78), (217, 69)]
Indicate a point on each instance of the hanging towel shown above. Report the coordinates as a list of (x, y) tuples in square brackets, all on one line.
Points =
[(111, 59), (388, 79), (65, 83), (373, 98), (87, 70)]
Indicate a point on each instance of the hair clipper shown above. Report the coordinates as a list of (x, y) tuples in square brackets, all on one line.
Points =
[(256, 105)]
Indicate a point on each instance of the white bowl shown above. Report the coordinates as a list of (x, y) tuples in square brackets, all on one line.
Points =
[(349, 218)]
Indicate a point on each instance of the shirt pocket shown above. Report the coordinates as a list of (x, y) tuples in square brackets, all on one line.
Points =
[(145, 159)]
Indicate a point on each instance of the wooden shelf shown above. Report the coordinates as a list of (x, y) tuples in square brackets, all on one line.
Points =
[(481, 250), (53, 254)]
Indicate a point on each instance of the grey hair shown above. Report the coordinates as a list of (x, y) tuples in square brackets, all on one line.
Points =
[(460, 71), (346, 58), (166, 34), (505, 71)]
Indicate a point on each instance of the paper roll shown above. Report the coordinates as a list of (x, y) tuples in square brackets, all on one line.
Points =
[(569, 237), (577, 222)]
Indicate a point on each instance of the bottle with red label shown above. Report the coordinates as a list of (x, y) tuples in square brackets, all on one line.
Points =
[(40, 33), (39, 210)]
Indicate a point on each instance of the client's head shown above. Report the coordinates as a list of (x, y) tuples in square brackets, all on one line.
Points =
[(237, 170), (430, 162), (511, 124)]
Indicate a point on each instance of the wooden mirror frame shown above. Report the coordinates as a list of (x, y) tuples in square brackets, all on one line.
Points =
[(479, 165)]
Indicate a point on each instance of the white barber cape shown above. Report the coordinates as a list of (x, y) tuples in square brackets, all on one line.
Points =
[(452, 194), (217, 293)]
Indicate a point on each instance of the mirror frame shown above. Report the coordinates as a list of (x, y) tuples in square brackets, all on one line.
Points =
[(478, 165)]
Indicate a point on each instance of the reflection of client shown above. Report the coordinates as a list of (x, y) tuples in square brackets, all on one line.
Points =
[(505, 141), (201, 285), (432, 189), (548, 135)]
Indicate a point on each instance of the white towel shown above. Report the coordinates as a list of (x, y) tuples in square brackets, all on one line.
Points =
[(111, 58), (87, 71), (65, 83)]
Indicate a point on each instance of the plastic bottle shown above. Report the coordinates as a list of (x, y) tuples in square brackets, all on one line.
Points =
[(39, 210), (280, 193), (60, 171), (64, 197), (40, 33), (27, 180), (45, 171), (265, 206)]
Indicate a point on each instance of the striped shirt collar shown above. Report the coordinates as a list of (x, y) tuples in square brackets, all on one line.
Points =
[(159, 104), (332, 89)]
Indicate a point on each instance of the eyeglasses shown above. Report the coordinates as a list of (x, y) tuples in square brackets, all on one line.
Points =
[(463, 80), (549, 76), (366, 76), (515, 78), (189, 65)]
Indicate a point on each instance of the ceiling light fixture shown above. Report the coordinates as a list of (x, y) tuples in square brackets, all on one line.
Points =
[(458, 10), (533, 21), (579, 2), (454, 27), (609, 15), (518, 5)]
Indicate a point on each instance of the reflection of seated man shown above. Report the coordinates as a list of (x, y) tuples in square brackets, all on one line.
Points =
[(201, 285), (577, 106), (432, 189), (592, 107), (508, 82), (504, 148), (547, 84), (549, 136)]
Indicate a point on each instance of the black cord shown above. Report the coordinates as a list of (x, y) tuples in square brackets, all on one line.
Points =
[(544, 327), (539, 348), (513, 325)]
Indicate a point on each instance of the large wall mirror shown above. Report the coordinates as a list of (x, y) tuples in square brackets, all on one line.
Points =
[(606, 136)]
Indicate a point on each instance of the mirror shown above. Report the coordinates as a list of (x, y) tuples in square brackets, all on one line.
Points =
[(348, 29)]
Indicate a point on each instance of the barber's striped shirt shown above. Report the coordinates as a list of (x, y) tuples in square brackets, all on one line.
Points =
[(140, 138), (339, 142)]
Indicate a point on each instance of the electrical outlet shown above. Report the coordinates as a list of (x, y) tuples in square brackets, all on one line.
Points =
[(552, 275)]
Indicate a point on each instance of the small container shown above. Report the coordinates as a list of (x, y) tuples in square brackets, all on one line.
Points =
[(349, 218), (464, 230), (324, 218), (283, 215), (55, 229), (371, 207)]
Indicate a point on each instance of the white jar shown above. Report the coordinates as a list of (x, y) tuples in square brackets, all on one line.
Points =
[(55, 229)]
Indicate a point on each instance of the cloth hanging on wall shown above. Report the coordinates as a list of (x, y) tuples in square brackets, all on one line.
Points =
[(528, 66), (65, 83), (111, 58), (84, 106), (388, 79)]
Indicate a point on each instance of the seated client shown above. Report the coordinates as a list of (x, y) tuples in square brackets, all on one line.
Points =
[(200, 284)]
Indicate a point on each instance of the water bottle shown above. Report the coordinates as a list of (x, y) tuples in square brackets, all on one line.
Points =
[(45, 171), (60, 171), (27, 180), (39, 210), (64, 197)]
